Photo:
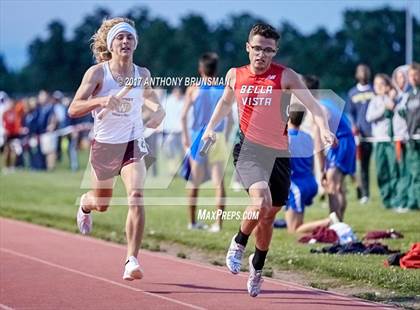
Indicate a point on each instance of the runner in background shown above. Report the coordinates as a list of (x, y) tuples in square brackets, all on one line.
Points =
[(203, 99)]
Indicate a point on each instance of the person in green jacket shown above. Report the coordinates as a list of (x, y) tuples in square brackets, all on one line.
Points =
[(380, 113), (400, 137), (411, 113)]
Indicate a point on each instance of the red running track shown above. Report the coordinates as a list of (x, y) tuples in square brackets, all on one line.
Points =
[(42, 268)]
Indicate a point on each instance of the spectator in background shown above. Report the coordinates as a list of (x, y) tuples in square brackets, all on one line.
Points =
[(30, 122), (12, 123), (380, 114), (84, 139), (411, 113), (20, 114), (46, 124), (357, 104), (4, 105), (202, 99), (400, 80), (172, 129), (60, 114), (400, 136), (72, 138)]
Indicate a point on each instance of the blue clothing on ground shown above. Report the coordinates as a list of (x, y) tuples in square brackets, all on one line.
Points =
[(204, 105)]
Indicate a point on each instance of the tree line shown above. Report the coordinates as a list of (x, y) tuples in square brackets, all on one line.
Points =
[(375, 37)]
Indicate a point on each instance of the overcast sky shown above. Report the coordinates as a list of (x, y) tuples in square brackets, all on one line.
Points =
[(23, 20)]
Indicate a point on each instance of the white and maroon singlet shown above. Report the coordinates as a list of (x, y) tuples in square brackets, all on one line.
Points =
[(125, 123)]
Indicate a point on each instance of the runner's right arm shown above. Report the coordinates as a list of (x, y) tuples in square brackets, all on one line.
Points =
[(224, 106), (83, 103)]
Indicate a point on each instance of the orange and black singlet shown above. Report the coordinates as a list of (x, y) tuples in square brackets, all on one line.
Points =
[(259, 100)]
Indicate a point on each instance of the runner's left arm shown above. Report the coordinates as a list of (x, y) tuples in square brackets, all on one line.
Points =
[(291, 80)]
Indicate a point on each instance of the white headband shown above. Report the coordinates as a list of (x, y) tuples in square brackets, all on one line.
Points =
[(112, 33)]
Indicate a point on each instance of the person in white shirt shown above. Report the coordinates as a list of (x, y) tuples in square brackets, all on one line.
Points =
[(118, 146), (172, 129)]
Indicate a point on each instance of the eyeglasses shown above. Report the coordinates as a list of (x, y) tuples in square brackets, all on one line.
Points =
[(266, 51)]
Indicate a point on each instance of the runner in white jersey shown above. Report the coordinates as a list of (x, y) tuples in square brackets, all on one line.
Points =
[(118, 146)]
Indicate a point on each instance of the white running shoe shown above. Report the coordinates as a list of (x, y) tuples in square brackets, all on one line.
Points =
[(197, 226), (215, 228), (401, 210), (84, 220), (255, 279), (234, 256), (364, 200), (132, 270), (334, 218)]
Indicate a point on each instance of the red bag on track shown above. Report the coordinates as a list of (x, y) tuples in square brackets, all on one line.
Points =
[(412, 258)]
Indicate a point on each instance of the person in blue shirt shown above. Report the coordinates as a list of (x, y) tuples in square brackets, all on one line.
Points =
[(339, 160), (203, 99), (303, 186), (30, 122), (357, 103)]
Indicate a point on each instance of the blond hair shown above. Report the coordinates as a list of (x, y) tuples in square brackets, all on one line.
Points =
[(98, 45)]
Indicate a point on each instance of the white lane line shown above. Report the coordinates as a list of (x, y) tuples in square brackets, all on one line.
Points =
[(4, 307), (339, 296), (98, 278)]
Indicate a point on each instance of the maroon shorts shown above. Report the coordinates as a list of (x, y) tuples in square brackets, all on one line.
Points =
[(108, 159)]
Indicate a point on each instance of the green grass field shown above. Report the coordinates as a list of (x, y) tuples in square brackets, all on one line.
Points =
[(50, 199)]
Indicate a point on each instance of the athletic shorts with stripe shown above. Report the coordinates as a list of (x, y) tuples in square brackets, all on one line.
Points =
[(255, 163), (302, 192), (107, 160)]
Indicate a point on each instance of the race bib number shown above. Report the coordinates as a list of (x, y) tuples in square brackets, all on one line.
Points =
[(142, 145)]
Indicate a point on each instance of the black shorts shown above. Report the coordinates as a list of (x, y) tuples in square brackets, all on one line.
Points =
[(255, 163), (108, 159)]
